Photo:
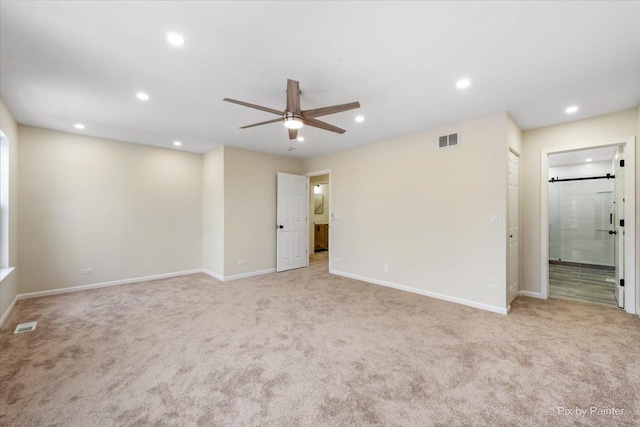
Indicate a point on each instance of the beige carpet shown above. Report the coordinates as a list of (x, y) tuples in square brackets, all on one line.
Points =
[(305, 348)]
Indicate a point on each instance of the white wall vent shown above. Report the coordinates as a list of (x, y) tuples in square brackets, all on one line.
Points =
[(25, 327), (452, 140)]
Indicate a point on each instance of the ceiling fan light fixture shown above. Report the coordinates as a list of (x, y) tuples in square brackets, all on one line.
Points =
[(292, 121)]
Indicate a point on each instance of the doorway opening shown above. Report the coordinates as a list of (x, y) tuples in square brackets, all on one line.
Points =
[(319, 218), (588, 224)]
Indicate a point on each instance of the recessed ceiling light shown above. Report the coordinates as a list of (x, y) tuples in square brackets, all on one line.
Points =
[(175, 39), (571, 110), (301, 139), (589, 160), (78, 126), (463, 83), (177, 143), (359, 119), (142, 96)]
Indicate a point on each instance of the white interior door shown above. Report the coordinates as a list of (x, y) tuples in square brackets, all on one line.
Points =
[(512, 229), (618, 230), (292, 222)]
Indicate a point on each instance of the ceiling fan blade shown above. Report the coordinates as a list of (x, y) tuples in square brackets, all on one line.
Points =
[(293, 96), (293, 133), (322, 125), (324, 111), (257, 107), (261, 123)]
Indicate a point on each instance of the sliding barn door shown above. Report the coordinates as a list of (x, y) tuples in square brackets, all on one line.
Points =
[(291, 228)]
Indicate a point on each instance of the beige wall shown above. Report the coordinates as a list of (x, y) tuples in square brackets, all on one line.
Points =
[(638, 210), (620, 124), (250, 208), (213, 211), (9, 286), (125, 210), (424, 212)]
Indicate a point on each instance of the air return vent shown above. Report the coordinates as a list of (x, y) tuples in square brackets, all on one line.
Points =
[(25, 327), (452, 140)]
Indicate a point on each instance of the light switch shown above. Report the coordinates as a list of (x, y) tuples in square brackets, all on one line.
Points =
[(494, 218)]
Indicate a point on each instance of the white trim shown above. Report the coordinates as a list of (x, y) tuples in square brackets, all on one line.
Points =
[(530, 294), (250, 274), (212, 274), (630, 215), (105, 284), (6, 313), (239, 276), (4, 272), (482, 306), (544, 224)]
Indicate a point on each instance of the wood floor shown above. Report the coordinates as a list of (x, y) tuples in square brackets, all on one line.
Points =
[(583, 284)]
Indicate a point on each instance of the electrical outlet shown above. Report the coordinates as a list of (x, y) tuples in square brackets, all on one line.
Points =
[(386, 268), (494, 288), (86, 271), (241, 262)]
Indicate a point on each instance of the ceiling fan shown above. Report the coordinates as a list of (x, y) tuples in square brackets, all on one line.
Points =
[(293, 117)]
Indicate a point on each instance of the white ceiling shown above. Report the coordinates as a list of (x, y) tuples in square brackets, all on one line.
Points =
[(69, 62), (605, 154)]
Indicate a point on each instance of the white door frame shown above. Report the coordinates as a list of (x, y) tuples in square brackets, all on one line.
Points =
[(309, 175), (629, 219)]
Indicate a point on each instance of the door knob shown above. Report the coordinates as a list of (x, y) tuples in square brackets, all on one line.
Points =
[(613, 232), (281, 226)]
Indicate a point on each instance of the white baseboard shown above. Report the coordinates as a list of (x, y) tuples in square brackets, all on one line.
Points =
[(8, 311), (239, 276), (250, 274), (530, 294), (482, 306), (105, 284), (212, 274)]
